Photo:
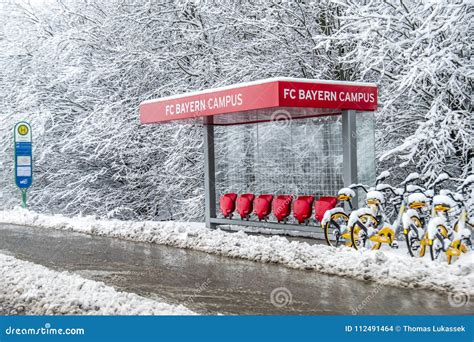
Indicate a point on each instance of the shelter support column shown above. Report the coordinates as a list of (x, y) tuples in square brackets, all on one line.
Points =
[(349, 147), (209, 174)]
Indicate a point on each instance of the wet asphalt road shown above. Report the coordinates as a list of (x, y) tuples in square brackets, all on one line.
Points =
[(213, 284)]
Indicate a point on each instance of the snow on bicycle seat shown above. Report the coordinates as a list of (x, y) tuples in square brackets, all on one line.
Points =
[(345, 194), (375, 196), (417, 200), (443, 203)]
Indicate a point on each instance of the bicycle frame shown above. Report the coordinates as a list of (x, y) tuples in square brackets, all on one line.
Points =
[(385, 232), (456, 234), (337, 215), (412, 231)]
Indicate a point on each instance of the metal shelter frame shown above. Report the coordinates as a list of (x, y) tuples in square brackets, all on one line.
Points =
[(238, 104)]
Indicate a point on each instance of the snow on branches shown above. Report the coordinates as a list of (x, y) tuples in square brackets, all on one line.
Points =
[(77, 70), (421, 50)]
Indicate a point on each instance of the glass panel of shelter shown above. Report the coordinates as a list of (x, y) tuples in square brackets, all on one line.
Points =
[(297, 157), (365, 126)]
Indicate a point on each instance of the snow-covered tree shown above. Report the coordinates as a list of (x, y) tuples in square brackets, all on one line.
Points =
[(421, 51), (77, 70)]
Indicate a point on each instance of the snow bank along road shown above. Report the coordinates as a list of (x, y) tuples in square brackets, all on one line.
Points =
[(27, 288), (213, 284), (387, 268)]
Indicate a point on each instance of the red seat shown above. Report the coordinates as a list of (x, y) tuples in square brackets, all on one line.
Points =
[(228, 204), (263, 206), (302, 208), (282, 207), (245, 205), (322, 205)]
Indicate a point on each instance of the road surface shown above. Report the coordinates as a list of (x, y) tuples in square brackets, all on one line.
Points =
[(213, 284)]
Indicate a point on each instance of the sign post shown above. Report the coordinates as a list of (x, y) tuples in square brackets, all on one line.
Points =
[(23, 158)]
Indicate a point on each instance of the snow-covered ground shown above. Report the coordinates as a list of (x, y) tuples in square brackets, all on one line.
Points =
[(390, 267), (27, 288)]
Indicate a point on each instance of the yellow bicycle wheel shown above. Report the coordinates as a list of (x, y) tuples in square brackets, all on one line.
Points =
[(356, 231), (435, 249), (413, 242), (337, 219)]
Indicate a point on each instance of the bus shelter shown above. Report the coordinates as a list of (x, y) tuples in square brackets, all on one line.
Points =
[(299, 138)]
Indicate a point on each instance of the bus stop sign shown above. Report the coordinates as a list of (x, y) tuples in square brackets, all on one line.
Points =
[(23, 155)]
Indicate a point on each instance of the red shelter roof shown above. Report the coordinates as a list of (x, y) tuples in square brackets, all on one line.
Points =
[(260, 100)]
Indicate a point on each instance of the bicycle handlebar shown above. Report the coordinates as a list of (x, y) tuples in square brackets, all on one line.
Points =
[(359, 186), (437, 181), (458, 201), (392, 190), (466, 183)]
